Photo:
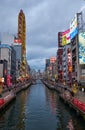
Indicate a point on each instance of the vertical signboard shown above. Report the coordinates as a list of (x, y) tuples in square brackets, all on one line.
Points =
[(59, 39), (82, 48), (69, 60)]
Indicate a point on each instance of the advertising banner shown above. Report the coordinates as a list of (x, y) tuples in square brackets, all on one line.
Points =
[(82, 48), (73, 27), (66, 37)]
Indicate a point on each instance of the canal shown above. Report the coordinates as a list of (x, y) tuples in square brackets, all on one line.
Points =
[(39, 108)]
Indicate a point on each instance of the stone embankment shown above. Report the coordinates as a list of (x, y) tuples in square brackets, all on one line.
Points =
[(9, 95), (75, 101)]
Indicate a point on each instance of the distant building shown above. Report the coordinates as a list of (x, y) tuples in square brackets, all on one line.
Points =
[(47, 68), (47, 63)]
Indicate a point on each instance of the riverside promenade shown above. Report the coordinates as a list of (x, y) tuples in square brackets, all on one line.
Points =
[(8, 94), (75, 101), (79, 95)]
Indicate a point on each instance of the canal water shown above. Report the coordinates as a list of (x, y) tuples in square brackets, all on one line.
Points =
[(39, 108)]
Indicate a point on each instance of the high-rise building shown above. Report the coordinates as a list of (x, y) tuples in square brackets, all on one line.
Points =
[(7, 38), (8, 55), (5, 53), (22, 37)]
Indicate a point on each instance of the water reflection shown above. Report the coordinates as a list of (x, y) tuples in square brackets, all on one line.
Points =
[(39, 108), (14, 117), (70, 125)]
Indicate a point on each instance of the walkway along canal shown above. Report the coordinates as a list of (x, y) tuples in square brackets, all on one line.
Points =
[(38, 108)]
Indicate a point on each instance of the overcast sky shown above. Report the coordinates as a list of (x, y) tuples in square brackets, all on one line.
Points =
[(44, 19)]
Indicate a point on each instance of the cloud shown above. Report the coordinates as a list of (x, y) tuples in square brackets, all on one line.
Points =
[(37, 64), (39, 52), (82, 8), (44, 19)]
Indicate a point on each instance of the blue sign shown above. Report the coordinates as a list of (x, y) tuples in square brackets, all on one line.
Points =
[(73, 33)]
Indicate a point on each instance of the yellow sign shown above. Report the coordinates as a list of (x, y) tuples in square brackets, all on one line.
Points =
[(64, 40)]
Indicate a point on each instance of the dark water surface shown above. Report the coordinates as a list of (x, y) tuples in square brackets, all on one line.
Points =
[(39, 108)]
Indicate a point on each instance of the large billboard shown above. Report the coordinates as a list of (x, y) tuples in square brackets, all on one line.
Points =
[(82, 48), (73, 27), (65, 37)]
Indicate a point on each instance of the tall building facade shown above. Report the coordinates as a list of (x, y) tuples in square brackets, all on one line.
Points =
[(5, 54), (8, 58), (13, 64), (22, 37), (7, 38)]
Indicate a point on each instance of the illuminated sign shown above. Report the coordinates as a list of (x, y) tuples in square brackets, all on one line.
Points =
[(69, 60), (66, 37), (52, 59), (2, 80), (82, 48), (50, 67), (17, 41), (73, 27)]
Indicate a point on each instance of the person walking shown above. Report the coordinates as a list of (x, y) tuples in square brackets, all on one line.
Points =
[(79, 85)]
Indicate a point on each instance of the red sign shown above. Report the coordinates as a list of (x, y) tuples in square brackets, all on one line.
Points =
[(17, 41), (52, 59), (69, 62), (9, 80)]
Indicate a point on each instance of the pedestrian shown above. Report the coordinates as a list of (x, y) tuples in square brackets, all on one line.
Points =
[(70, 84), (76, 82), (72, 93), (79, 85), (82, 89)]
